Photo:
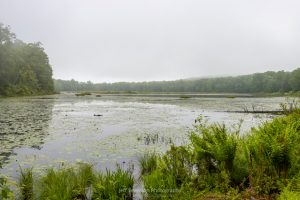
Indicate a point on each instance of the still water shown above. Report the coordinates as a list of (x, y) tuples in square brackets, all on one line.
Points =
[(63, 129)]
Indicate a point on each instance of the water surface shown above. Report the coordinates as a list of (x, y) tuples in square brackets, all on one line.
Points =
[(51, 130)]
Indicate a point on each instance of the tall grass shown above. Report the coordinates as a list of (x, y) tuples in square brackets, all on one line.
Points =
[(114, 185), (79, 182), (148, 163), (26, 184), (5, 192)]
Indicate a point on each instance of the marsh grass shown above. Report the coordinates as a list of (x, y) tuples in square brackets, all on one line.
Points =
[(5, 192), (148, 162), (219, 163), (114, 185), (76, 182), (26, 184), (155, 138)]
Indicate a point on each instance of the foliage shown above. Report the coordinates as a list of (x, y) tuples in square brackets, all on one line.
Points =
[(114, 185), (5, 192), (268, 82), (167, 176), (148, 163), (273, 153), (159, 185), (73, 182), (219, 163), (24, 68), (66, 183), (26, 184)]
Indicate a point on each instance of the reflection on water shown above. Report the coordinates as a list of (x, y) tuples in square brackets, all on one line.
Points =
[(23, 122), (109, 129)]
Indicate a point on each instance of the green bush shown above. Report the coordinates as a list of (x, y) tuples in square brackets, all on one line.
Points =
[(264, 163)]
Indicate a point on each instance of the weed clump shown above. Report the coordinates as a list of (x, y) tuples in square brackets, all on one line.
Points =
[(83, 94)]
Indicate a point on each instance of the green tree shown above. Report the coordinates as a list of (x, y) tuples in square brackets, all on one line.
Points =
[(24, 68)]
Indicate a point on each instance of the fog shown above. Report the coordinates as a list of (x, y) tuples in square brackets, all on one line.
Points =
[(139, 40)]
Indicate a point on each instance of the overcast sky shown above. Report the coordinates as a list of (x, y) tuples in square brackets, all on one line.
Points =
[(143, 40)]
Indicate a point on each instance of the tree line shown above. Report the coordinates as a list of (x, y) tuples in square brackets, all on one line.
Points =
[(24, 67), (267, 82)]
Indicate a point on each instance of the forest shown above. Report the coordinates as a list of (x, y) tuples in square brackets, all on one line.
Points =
[(24, 67), (267, 82)]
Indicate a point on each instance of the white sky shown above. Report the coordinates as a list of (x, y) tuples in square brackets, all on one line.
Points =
[(143, 40)]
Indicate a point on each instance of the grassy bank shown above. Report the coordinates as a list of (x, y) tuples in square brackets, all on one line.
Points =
[(220, 163), (70, 183)]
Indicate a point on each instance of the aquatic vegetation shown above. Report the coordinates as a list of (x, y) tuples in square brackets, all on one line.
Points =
[(184, 97), (154, 138), (83, 94), (23, 123), (290, 106), (220, 164)]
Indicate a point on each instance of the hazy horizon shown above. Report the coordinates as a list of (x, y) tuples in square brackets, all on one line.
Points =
[(188, 78), (134, 40)]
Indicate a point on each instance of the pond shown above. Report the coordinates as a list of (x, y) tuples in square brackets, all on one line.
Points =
[(53, 130)]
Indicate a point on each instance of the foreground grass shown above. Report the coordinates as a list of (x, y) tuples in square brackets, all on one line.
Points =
[(68, 183), (219, 163)]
